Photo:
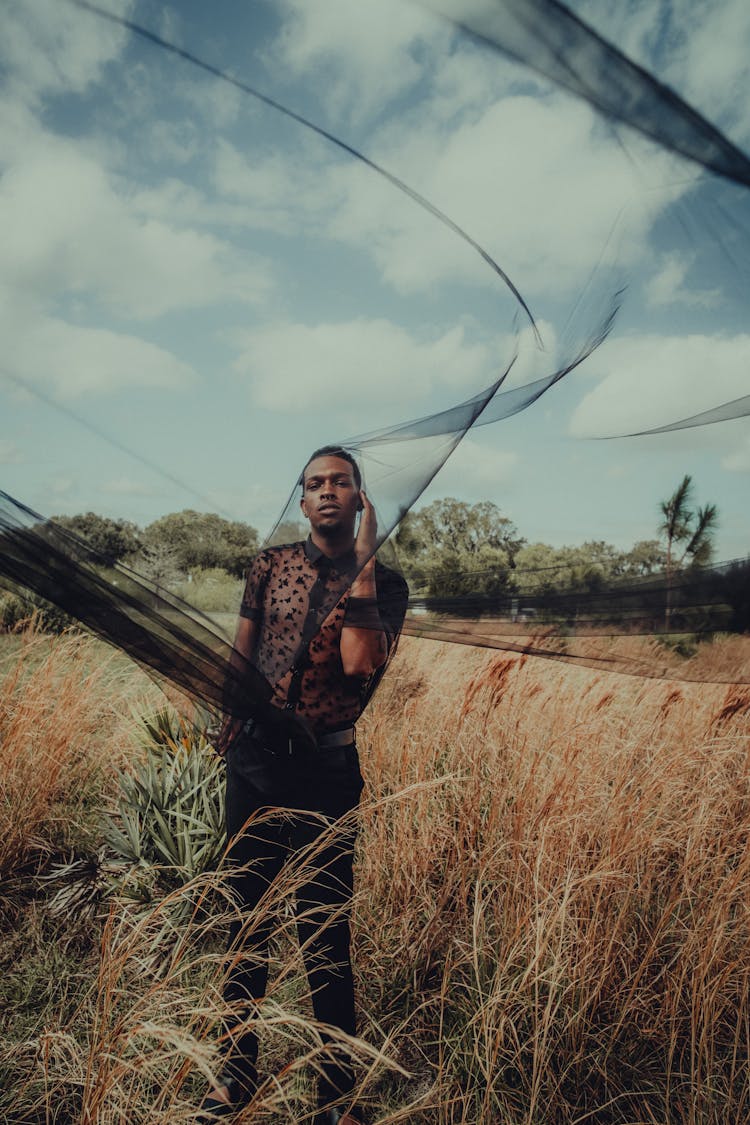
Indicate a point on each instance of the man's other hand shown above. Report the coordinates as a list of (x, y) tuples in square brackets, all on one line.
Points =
[(228, 732)]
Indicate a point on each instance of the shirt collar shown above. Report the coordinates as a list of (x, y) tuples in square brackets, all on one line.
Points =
[(345, 563)]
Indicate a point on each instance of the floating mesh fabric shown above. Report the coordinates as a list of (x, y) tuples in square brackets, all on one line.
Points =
[(579, 626), (737, 408), (550, 38), (399, 461), (162, 633)]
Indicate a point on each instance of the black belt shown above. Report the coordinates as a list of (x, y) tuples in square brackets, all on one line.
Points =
[(333, 738), (330, 740)]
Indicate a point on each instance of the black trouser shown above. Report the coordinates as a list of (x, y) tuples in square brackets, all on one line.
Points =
[(327, 783)]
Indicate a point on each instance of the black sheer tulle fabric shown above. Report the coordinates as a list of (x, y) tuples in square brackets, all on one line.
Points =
[(551, 39), (580, 626), (182, 648), (737, 408), (712, 218), (163, 634), (704, 176)]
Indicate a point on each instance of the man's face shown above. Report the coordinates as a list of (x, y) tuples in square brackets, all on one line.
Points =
[(330, 498)]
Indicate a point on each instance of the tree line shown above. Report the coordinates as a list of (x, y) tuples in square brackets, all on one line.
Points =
[(449, 548), (454, 549), (172, 547)]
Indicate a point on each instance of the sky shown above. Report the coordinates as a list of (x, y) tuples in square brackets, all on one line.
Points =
[(195, 291)]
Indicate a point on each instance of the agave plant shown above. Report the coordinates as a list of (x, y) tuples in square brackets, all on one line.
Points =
[(77, 887), (168, 826)]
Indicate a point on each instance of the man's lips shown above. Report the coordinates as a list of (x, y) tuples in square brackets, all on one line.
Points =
[(329, 508)]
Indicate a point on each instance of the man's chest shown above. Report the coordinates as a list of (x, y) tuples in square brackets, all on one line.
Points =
[(303, 607)]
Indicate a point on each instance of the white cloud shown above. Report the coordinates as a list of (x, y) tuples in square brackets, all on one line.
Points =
[(369, 53), (10, 454), (51, 48), (739, 460), (713, 66), (280, 191), (508, 178), (44, 351), (471, 78), (294, 367), (124, 486), (667, 286), (698, 48), (651, 381), (73, 233), (66, 229), (474, 470), (178, 142), (504, 174), (212, 104)]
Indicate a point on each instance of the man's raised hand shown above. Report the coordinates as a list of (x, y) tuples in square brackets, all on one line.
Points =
[(364, 544)]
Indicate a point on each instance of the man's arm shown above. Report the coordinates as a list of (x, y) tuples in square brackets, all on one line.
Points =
[(245, 640), (364, 648), (242, 651), (364, 639)]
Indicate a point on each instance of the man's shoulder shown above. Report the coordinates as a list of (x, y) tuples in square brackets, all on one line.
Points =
[(281, 551), (297, 545), (279, 555)]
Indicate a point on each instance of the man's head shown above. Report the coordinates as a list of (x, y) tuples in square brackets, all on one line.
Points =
[(333, 451), (331, 483)]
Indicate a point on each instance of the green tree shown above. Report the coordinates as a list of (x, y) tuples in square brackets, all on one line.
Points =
[(201, 539), (160, 564), (540, 569), (647, 556), (112, 539), (593, 565), (291, 531), (451, 548), (688, 533), (544, 570)]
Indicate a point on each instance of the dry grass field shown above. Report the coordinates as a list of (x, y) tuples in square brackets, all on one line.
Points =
[(552, 917)]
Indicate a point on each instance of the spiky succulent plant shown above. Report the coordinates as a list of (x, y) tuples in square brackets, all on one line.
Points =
[(170, 812), (166, 828)]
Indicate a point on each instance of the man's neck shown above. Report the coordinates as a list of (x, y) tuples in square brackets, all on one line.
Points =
[(333, 546)]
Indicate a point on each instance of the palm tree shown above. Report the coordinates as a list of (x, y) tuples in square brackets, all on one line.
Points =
[(684, 525)]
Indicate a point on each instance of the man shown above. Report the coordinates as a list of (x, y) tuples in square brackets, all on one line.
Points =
[(318, 620)]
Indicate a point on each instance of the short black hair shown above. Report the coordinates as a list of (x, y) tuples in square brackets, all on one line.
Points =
[(333, 451)]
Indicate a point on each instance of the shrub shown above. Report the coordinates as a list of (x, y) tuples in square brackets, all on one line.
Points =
[(57, 708), (169, 824), (20, 608), (211, 591)]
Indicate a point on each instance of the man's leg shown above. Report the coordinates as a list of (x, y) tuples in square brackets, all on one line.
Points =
[(323, 907), (255, 858)]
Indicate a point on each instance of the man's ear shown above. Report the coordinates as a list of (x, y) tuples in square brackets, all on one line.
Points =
[(303, 506), (360, 505)]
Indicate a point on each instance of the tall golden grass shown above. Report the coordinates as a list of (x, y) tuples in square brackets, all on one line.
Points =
[(551, 917), (66, 718)]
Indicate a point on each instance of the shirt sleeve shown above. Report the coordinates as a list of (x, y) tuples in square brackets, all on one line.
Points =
[(386, 611), (251, 606), (393, 596)]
